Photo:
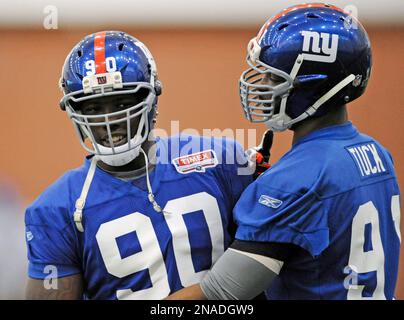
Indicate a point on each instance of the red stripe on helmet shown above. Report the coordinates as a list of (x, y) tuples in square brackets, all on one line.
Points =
[(99, 52), (287, 10)]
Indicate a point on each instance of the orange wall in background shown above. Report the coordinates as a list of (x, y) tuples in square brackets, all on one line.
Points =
[(199, 70)]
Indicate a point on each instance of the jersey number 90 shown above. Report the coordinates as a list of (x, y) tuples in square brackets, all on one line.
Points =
[(151, 257)]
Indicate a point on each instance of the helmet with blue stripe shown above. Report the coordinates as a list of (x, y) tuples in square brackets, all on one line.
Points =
[(107, 64), (304, 61)]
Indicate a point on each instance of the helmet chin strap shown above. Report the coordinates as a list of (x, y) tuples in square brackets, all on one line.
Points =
[(282, 121), (81, 201), (156, 206)]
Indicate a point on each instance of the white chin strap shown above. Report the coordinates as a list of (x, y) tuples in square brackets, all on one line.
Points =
[(81, 201), (281, 121), (118, 156)]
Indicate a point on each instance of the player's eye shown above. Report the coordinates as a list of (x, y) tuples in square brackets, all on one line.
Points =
[(91, 109), (122, 106)]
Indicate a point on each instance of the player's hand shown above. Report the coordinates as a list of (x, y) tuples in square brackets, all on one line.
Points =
[(262, 153)]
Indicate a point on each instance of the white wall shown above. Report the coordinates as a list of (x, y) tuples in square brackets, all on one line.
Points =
[(13, 261), (77, 13)]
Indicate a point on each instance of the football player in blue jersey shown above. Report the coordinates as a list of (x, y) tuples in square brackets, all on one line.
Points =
[(324, 221), (143, 216)]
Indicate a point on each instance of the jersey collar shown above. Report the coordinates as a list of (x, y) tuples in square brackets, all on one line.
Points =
[(108, 178), (338, 132)]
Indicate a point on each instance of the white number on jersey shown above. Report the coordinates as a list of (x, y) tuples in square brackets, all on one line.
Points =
[(372, 260), (151, 257)]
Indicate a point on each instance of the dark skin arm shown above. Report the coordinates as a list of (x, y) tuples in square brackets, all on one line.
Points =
[(68, 288)]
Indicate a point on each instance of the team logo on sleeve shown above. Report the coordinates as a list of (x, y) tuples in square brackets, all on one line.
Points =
[(270, 202), (196, 162)]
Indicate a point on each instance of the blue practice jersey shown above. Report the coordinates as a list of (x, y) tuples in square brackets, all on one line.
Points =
[(335, 195), (127, 249)]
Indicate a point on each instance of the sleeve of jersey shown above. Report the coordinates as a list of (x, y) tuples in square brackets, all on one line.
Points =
[(51, 244), (267, 214), (238, 172)]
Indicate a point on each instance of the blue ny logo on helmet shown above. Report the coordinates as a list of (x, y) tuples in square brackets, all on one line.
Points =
[(320, 58)]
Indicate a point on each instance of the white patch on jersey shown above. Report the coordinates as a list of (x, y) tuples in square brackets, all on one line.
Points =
[(270, 202), (195, 162), (29, 235)]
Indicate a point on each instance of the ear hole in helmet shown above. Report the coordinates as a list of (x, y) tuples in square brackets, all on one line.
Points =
[(79, 53), (312, 16), (120, 46), (283, 26)]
